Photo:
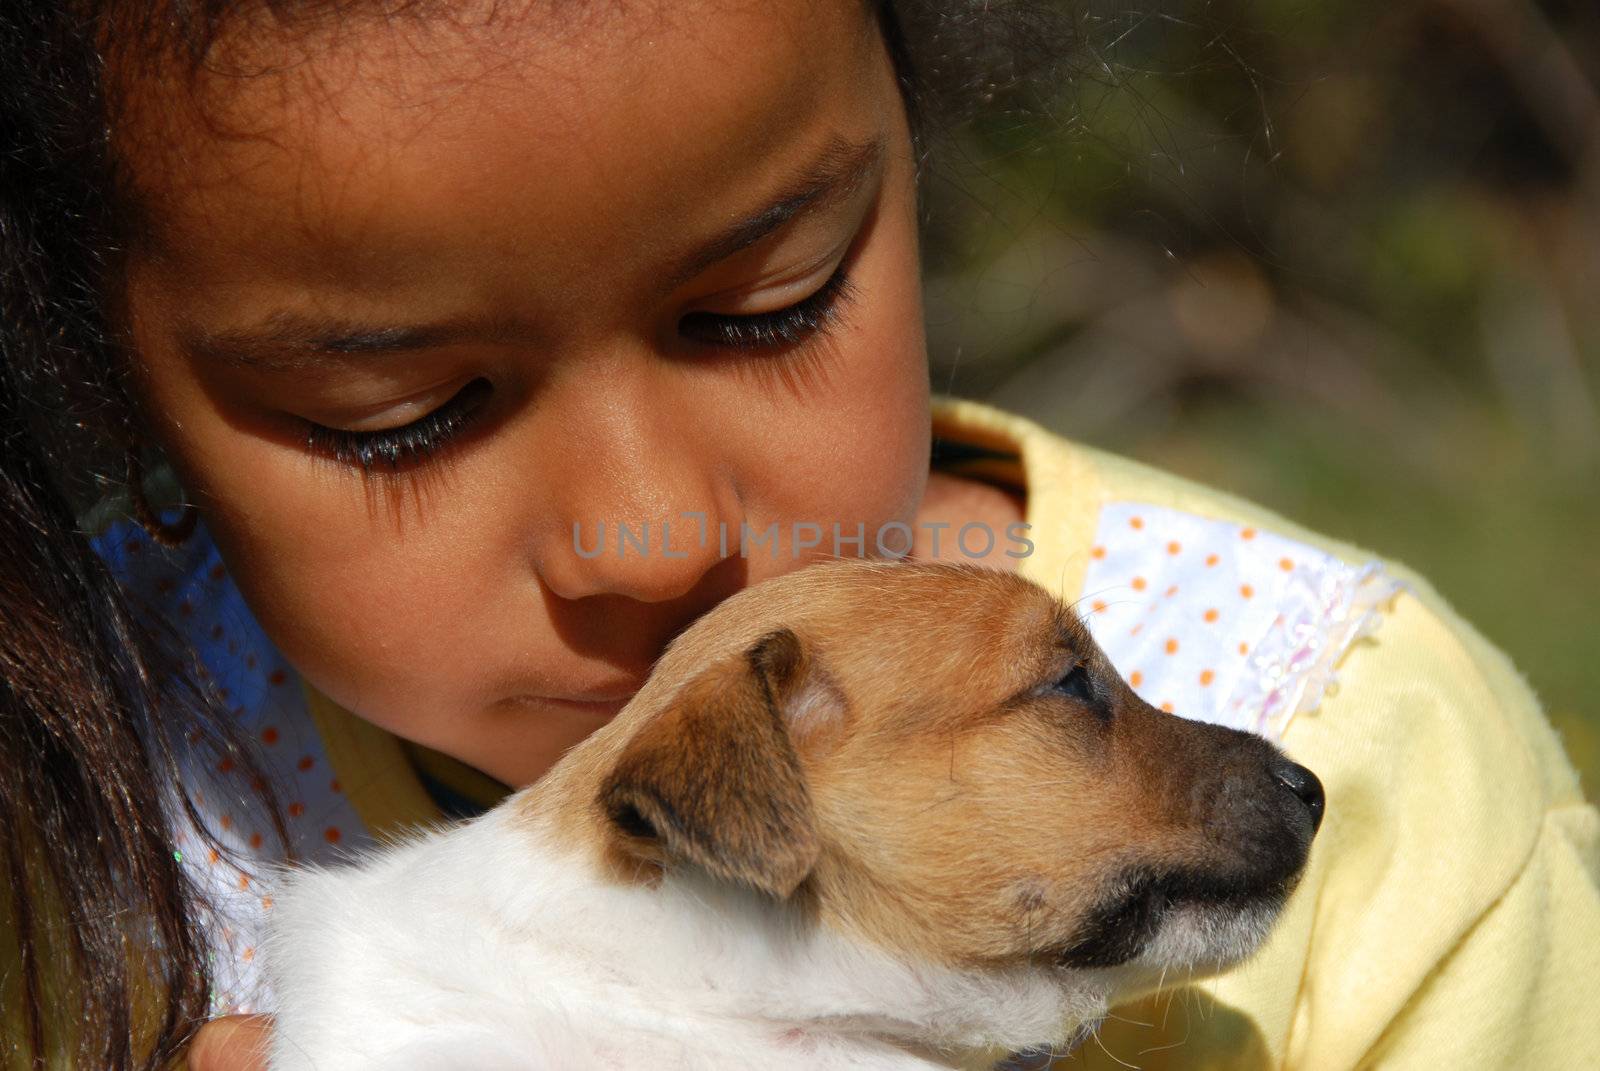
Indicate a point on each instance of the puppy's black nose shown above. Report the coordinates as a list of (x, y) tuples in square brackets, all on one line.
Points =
[(1303, 783)]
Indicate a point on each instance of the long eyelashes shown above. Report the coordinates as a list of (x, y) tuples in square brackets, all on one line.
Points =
[(782, 327), (410, 444), (397, 448)]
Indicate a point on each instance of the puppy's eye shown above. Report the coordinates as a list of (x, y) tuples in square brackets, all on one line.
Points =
[(1076, 685)]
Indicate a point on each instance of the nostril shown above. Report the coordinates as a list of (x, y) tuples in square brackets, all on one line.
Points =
[(1303, 783)]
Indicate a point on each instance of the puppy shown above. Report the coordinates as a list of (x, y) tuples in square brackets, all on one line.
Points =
[(863, 816)]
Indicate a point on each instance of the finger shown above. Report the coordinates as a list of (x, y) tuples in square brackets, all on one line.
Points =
[(231, 1043)]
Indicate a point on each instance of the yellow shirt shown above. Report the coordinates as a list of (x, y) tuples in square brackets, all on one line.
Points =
[(1450, 914)]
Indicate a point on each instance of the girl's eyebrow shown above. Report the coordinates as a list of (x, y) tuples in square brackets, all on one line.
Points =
[(836, 173), (288, 341)]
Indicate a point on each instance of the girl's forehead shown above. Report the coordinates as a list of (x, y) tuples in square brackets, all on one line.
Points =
[(374, 139)]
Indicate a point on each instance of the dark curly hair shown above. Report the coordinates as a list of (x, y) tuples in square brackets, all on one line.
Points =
[(97, 703)]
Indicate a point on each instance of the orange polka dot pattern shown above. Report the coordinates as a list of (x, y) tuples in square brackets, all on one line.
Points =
[(1221, 623), (190, 587)]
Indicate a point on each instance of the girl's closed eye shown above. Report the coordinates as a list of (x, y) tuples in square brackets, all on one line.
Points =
[(404, 444), (418, 440), (787, 326)]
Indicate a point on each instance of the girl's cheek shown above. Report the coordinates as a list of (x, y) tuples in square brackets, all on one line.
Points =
[(885, 415), (350, 578)]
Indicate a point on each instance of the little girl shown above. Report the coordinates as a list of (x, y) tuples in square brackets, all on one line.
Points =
[(450, 359)]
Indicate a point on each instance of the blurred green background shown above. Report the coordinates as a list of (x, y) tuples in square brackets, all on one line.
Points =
[(1340, 258)]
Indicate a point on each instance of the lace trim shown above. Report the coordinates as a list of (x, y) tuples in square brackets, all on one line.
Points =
[(1293, 665)]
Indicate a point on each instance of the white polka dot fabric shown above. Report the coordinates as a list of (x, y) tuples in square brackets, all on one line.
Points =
[(190, 588), (1221, 622)]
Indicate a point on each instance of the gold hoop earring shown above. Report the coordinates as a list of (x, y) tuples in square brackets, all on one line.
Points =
[(167, 535)]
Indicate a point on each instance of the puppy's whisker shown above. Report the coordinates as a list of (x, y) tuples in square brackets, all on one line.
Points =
[(1188, 1020), (1115, 602), (1164, 1048), (1088, 595), (1166, 1009), (1111, 1055)]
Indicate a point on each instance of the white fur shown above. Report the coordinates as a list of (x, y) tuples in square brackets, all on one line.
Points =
[(483, 947), (1207, 938)]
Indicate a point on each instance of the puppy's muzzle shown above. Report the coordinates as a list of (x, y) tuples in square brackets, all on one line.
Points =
[(1234, 822)]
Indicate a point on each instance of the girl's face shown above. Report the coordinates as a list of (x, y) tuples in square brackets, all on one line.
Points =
[(610, 272)]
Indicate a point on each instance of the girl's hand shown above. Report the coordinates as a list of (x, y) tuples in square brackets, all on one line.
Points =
[(231, 1043)]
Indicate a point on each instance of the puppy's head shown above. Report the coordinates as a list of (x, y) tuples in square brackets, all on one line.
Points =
[(939, 759)]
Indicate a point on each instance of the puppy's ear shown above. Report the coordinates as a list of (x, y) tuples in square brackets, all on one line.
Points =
[(714, 780)]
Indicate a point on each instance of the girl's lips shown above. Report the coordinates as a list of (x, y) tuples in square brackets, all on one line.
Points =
[(600, 708), (615, 692), (605, 703)]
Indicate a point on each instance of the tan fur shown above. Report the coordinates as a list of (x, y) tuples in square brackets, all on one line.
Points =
[(883, 740)]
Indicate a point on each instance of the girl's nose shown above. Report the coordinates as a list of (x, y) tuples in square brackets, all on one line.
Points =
[(645, 512), (650, 558)]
